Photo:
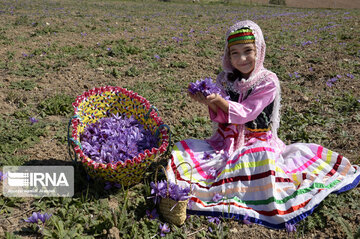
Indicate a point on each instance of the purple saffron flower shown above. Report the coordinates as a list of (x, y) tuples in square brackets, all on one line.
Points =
[(214, 220), (358, 100), (24, 55), (158, 190), (108, 186), (2, 176), (157, 57), (311, 69), (331, 81), (246, 220), (178, 193), (290, 227), (349, 76), (217, 197), (207, 156), (116, 138), (164, 229), (33, 120), (44, 217), (296, 74), (306, 43), (212, 171), (329, 84), (206, 87), (152, 215), (36, 216)]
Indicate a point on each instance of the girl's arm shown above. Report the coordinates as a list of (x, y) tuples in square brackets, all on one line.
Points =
[(247, 110), (199, 97), (219, 101)]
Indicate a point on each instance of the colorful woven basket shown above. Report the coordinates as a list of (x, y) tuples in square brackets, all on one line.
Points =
[(102, 102)]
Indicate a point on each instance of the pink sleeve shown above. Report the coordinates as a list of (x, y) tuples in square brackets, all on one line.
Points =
[(253, 105), (220, 116), (250, 108)]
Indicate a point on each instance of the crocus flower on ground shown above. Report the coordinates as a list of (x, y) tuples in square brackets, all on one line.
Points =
[(351, 76), (331, 81), (116, 138), (214, 220), (36, 216), (152, 214), (246, 220), (33, 120), (206, 87), (109, 185), (2, 176), (164, 229), (290, 227)]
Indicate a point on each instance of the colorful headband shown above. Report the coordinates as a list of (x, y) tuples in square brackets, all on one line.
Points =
[(241, 36)]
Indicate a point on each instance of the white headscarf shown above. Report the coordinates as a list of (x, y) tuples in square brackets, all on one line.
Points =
[(259, 74)]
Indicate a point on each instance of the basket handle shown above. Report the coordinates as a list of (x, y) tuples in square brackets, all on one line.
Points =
[(72, 140)]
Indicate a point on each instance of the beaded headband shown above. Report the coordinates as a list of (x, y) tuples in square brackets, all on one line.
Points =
[(241, 36)]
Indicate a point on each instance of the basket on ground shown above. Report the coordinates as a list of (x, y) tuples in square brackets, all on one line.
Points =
[(102, 102), (173, 211)]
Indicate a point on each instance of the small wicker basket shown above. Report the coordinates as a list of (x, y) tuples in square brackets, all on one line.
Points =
[(173, 211)]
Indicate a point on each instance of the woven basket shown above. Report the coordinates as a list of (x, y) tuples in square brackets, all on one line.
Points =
[(102, 102), (173, 211)]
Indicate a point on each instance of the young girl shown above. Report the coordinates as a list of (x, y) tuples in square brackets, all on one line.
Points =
[(244, 169)]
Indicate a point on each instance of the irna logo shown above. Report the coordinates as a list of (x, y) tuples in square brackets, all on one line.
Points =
[(37, 179)]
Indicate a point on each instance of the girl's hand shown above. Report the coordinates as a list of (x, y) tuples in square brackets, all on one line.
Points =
[(213, 98), (199, 97)]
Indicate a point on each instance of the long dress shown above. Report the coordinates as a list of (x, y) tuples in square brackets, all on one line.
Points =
[(269, 183), (244, 169)]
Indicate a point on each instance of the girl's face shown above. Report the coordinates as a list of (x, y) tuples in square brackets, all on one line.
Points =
[(243, 57)]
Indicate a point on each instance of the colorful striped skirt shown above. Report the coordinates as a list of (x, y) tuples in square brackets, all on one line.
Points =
[(256, 181)]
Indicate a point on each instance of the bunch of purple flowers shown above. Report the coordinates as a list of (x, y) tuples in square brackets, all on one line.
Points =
[(36, 216), (206, 87), (116, 139), (176, 193)]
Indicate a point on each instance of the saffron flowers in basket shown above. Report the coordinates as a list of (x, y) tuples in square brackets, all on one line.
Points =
[(206, 87), (161, 190), (171, 198), (116, 138)]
